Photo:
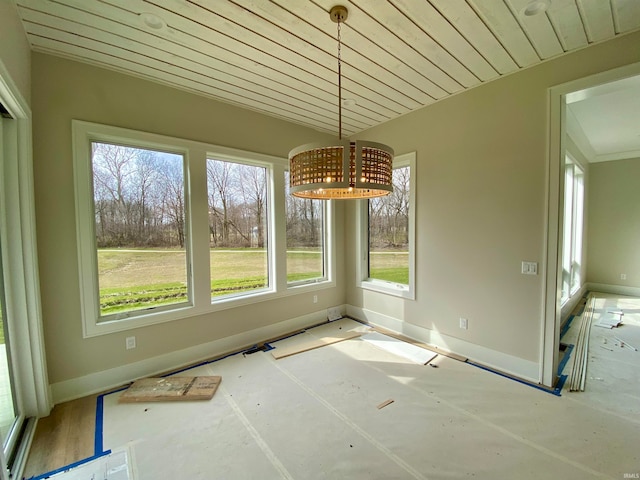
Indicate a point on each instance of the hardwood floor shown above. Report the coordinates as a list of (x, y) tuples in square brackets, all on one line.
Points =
[(66, 436)]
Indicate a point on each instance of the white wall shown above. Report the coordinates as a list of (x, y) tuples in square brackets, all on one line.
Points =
[(482, 159)]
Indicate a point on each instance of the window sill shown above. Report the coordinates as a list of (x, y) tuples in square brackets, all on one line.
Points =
[(388, 288)]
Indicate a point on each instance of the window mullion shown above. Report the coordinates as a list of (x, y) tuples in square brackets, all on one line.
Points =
[(199, 257)]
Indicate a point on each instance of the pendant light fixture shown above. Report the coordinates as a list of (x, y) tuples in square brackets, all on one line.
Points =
[(340, 169)]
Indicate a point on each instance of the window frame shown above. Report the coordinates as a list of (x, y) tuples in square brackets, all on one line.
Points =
[(362, 269), (573, 228), (196, 229)]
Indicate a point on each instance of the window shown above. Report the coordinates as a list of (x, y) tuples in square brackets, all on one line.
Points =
[(387, 235), (305, 238), (572, 228), (237, 227), (140, 235), (168, 228)]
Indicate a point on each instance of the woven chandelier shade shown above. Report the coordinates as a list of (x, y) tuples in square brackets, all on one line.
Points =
[(341, 170)]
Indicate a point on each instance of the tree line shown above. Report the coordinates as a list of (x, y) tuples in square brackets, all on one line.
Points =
[(389, 215), (139, 198)]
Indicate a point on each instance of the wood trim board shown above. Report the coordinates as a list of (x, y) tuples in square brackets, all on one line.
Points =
[(313, 344)]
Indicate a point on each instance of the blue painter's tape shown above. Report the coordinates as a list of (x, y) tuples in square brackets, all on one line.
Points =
[(565, 359), (554, 391), (98, 444), (69, 467), (565, 327), (560, 384)]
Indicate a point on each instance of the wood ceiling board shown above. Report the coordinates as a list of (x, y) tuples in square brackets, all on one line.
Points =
[(365, 36), (567, 22), (438, 28), (597, 18), (172, 389), (538, 29), (500, 20), (358, 51), (406, 39), (468, 23), (626, 15), (386, 36), (356, 68)]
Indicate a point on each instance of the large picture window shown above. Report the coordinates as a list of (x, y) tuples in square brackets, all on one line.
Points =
[(139, 205), (237, 227), (387, 233)]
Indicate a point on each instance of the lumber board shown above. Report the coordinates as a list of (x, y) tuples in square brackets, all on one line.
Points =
[(160, 389), (432, 348), (313, 344)]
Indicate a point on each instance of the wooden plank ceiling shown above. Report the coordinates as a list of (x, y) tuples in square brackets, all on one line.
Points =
[(279, 57)]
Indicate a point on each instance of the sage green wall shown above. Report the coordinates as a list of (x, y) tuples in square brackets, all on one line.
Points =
[(614, 223), (15, 52), (482, 158), (64, 90)]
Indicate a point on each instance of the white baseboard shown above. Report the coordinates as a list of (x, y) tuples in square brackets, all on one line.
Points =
[(502, 362), (616, 289), (115, 377)]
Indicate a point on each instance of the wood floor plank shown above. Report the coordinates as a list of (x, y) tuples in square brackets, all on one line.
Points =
[(66, 436)]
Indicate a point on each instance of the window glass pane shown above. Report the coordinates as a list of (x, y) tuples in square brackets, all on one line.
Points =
[(389, 232), (237, 227), (305, 245), (140, 228), (578, 226)]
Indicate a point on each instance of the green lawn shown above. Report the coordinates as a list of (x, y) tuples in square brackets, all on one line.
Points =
[(132, 279)]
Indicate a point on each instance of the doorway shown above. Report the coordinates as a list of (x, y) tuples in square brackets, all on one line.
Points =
[(556, 277)]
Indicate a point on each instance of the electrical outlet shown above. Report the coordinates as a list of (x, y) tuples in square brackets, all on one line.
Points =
[(130, 342), (334, 313), (464, 323), (623, 276), (315, 299)]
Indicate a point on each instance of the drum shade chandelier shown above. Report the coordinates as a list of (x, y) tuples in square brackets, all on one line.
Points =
[(340, 169)]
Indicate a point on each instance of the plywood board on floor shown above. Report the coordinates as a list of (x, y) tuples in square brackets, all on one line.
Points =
[(171, 389)]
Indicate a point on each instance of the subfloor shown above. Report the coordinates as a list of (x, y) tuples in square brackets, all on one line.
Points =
[(315, 415)]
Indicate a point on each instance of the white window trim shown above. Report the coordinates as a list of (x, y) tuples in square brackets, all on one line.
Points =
[(362, 217), (196, 154)]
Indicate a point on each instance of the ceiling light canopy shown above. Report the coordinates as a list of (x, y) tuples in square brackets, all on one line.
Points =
[(340, 169)]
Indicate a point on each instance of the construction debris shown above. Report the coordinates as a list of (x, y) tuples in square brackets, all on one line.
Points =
[(612, 319)]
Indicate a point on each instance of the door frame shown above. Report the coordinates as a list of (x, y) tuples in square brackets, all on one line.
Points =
[(22, 287), (555, 194)]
